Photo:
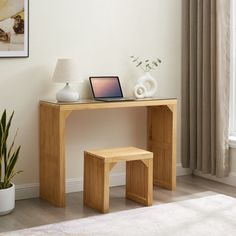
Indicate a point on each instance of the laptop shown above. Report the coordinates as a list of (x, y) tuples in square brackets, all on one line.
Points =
[(107, 89)]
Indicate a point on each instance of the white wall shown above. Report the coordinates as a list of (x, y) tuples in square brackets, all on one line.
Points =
[(102, 34)]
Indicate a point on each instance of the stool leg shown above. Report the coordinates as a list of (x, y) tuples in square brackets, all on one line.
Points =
[(139, 181), (96, 183)]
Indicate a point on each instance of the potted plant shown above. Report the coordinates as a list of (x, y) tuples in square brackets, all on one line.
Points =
[(147, 85), (8, 159)]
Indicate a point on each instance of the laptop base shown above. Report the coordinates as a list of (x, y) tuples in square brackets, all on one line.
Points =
[(115, 99)]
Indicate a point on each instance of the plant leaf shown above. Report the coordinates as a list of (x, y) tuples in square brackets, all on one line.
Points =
[(4, 150), (139, 64), (3, 127), (12, 163), (12, 145), (154, 63), (3, 119), (9, 124)]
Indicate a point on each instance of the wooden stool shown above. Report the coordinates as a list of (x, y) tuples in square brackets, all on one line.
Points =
[(139, 175)]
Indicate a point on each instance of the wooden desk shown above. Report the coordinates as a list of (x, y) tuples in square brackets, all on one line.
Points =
[(161, 140)]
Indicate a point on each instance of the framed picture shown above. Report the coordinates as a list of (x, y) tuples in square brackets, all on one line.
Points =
[(14, 28)]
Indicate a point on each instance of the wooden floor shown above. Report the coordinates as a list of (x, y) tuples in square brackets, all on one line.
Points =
[(35, 212)]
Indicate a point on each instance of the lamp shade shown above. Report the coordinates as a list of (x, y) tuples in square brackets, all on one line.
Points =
[(66, 71)]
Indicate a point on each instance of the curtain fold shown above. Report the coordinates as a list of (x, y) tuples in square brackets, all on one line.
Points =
[(205, 85)]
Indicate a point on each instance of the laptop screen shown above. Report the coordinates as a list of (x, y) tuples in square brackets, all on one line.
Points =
[(106, 87)]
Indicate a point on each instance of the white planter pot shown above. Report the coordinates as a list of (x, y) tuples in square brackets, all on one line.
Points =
[(7, 200), (149, 83)]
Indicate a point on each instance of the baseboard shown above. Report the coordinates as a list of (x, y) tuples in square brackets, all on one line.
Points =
[(26, 191), (182, 171), (76, 185), (230, 180)]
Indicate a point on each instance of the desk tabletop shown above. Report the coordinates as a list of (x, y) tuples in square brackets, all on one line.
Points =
[(93, 104), (86, 101)]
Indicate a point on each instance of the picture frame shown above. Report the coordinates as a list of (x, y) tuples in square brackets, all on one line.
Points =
[(14, 29)]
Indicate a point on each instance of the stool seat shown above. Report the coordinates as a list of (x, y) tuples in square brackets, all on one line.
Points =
[(120, 154), (139, 175)]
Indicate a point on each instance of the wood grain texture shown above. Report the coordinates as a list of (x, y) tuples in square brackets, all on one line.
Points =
[(120, 154), (139, 175), (52, 154), (139, 181), (162, 142), (91, 104), (96, 183), (53, 115)]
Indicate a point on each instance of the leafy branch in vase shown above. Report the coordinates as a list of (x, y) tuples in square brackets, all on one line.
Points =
[(146, 65)]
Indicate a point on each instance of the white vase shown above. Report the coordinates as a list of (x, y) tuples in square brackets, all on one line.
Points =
[(149, 83), (140, 91), (7, 200)]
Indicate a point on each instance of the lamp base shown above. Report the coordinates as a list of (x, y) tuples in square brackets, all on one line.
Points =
[(67, 94)]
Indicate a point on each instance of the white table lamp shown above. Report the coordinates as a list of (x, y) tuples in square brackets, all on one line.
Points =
[(66, 71)]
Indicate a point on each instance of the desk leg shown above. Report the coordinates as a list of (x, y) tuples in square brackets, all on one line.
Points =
[(52, 154), (162, 142)]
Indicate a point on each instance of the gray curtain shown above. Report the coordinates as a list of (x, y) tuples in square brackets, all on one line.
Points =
[(205, 86)]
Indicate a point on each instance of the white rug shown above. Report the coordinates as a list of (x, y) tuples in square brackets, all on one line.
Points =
[(212, 216)]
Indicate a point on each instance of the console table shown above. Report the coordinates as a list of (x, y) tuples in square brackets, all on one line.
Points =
[(161, 140)]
